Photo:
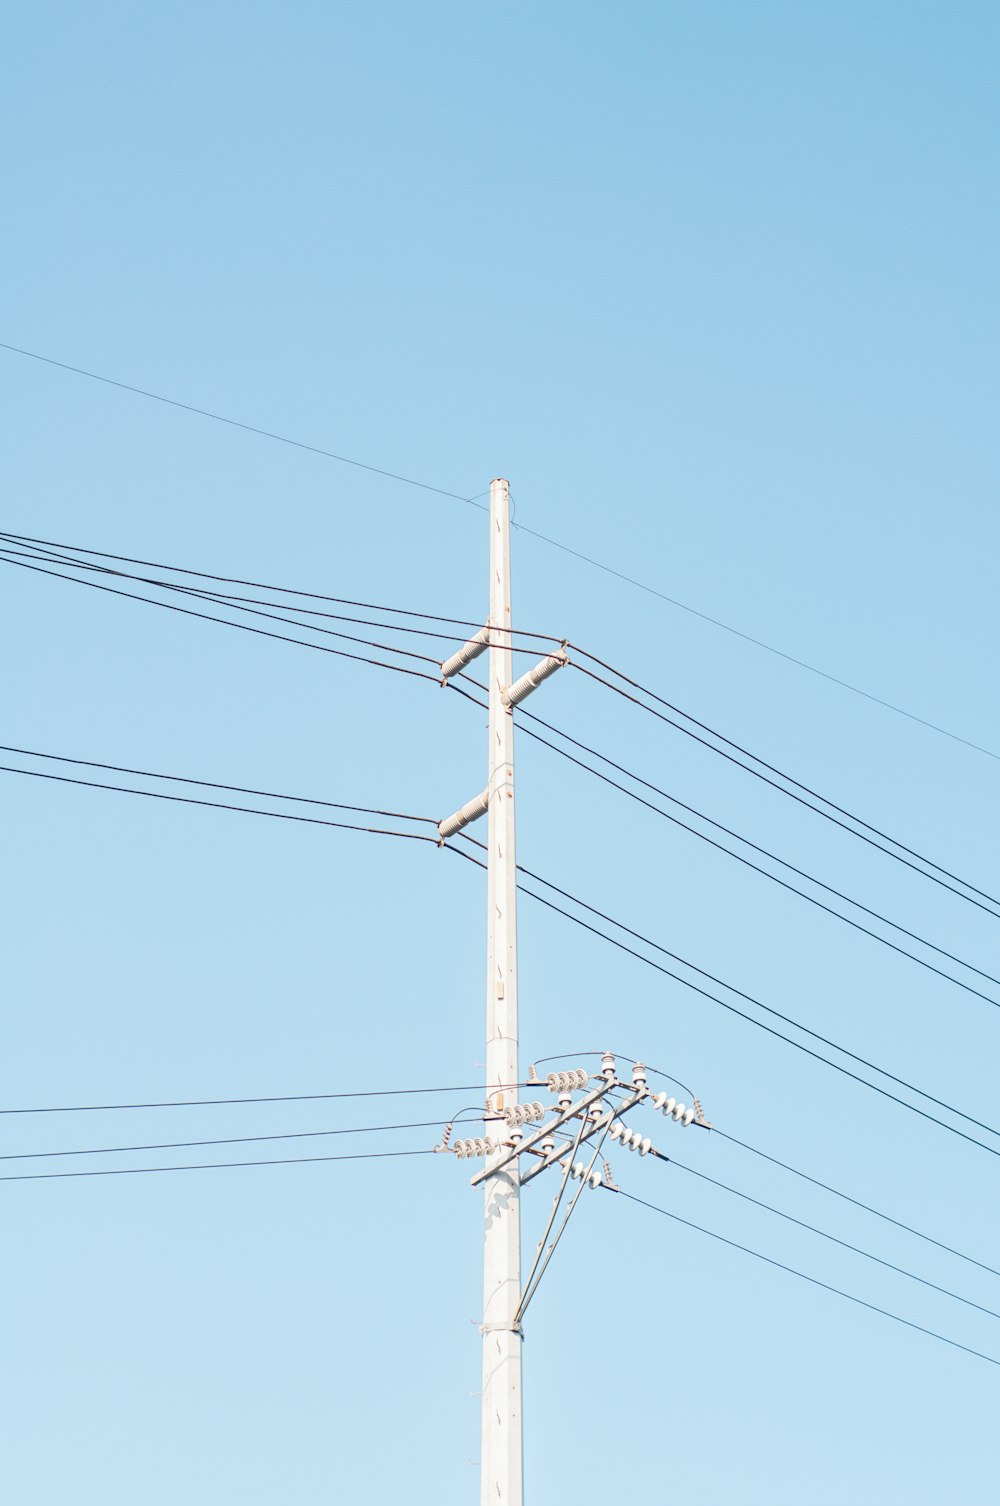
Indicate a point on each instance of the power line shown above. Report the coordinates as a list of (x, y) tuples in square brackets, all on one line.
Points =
[(229, 598), (651, 711), (813, 1280), (19, 545), (244, 627), (531, 532), (617, 689), (824, 1234), (726, 627), (234, 423), (720, 847), (116, 1150), (207, 1103), (197, 593), (211, 784), (236, 603), (246, 810), (847, 1198), (233, 580), (750, 999), (750, 1019), (620, 945), (138, 1171)]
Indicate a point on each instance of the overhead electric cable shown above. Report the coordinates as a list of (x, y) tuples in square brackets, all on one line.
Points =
[(211, 1103), (211, 784), (726, 627), (138, 1171), (238, 602), (750, 998), (601, 915), (207, 593), (651, 711), (824, 1234), (245, 627), (246, 810), (762, 1025), (117, 1150), (231, 580), (813, 1280), (632, 795), (847, 1198), (531, 532), (235, 423), (197, 593)]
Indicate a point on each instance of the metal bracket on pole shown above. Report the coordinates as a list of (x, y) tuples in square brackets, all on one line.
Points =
[(524, 1145), (591, 1129), (476, 645), (516, 693)]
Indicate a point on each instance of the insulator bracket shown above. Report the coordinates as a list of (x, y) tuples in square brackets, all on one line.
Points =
[(471, 811), (476, 645), (515, 694)]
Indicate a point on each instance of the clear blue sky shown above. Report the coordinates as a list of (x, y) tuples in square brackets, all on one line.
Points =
[(714, 286)]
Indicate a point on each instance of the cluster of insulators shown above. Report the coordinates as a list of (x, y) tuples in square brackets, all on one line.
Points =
[(524, 1113), (565, 1082), (631, 1139), (581, 1173), (483, 1146), (670, 1108)]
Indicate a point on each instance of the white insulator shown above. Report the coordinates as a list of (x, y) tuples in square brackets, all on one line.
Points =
[(687, 1117), (516, 693), (668, 1107), (608, 1066), (644, 1146), (471, 811), (658, 1100), (594, 1179), (524, 1113), (617, 1130), (578, 1170), (481, 1146), (639, 1076), (679, 1111), (469, 651), (564, 1082)]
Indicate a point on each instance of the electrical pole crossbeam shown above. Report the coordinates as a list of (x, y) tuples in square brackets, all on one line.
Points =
[(539, 1135)]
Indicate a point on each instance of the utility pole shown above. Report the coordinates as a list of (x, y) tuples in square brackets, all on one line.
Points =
[(501, 1462), (501, 1454)]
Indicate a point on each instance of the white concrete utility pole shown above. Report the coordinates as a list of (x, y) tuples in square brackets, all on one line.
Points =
[(501, 1456), (501, 1462)]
